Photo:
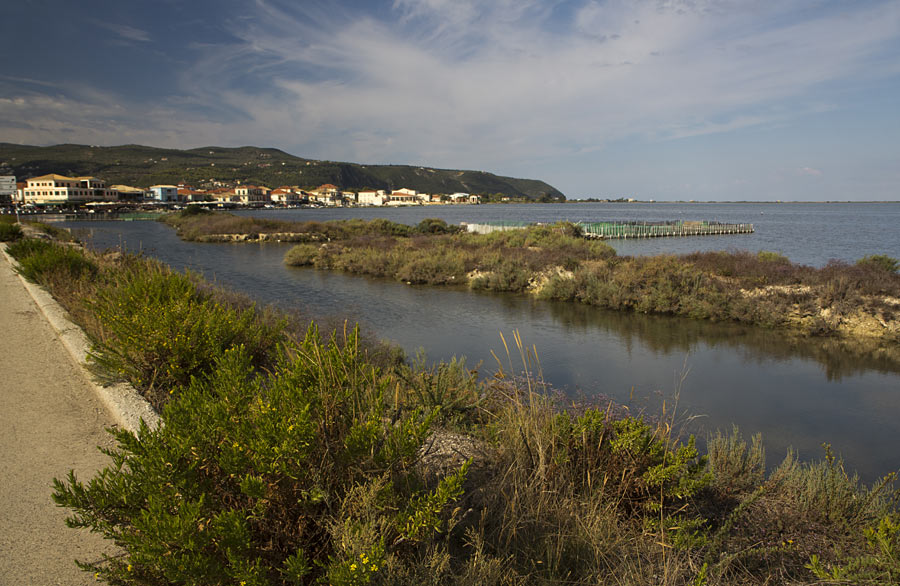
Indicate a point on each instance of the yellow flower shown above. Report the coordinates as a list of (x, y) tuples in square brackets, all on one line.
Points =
[(129, 567), (352, 567)]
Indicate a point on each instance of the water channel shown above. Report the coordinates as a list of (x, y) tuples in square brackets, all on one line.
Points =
[(796, 393)]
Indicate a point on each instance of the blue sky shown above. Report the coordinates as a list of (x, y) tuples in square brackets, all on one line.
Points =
[(653, 99)]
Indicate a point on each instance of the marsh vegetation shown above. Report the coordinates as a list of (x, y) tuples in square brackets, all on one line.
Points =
[(293, 454)]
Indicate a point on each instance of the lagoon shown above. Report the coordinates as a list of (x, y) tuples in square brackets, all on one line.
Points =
[(797, 394)]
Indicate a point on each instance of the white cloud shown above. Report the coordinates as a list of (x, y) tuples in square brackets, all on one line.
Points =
[(443, 78), (809, 171), (503, 83)]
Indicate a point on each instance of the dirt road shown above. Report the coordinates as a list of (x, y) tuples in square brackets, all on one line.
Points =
[(50, 422)]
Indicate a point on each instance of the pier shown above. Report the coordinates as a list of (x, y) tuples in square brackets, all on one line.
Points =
[(609, 230)]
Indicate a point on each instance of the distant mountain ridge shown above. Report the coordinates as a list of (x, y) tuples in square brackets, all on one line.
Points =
[(142, 166)]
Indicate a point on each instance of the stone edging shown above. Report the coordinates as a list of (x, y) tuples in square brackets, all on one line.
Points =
[(125, 404)]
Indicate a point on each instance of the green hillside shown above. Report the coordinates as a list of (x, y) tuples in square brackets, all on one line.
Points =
[(142, 166)]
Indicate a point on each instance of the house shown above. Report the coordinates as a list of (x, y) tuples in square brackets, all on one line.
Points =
[(371, 198), (327, 194), (252, 194), (164, 193), (464, 198), (190, 194), (56, 189), (129, 193), (403, 197), (223, 195), (286, 195)]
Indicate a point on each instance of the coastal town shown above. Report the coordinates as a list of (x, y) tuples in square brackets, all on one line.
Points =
[(54, 190)]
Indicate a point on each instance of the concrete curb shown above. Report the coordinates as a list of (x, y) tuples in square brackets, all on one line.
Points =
[(127, 407)]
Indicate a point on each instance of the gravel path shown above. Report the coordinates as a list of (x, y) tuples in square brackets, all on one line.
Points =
[(50, 422)]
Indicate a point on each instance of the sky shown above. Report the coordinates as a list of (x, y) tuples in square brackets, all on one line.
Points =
[(651, 99)]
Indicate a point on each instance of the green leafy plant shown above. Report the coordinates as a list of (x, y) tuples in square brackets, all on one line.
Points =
[(160, 330), (244, 479)]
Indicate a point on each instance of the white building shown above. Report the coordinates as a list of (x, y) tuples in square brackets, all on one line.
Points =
[(403, 197), (371, 198)]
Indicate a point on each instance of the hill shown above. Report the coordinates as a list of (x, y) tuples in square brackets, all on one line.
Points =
[(142, 166)]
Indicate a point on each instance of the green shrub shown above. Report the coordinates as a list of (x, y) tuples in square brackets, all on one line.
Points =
[(880, 262), (736, 467), (284, 479), (431, 267), (508, 276), (41, 260), (302, 255), (435, 226), (823, 492), (9, 232), (159, 331)]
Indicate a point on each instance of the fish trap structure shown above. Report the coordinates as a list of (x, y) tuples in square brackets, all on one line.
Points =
[(609, 230)]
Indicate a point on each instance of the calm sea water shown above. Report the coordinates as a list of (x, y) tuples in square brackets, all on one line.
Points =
[(796, 394), (807, 233)]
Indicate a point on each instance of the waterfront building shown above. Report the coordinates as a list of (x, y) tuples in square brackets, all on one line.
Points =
[(164, 193), (252, 194), (371, 198), (129, 193), (189, 194), (223, 195), (56, 189), (403, 197), (286, 195)]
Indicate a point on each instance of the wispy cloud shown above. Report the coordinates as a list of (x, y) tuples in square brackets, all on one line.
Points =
[(809, 171), (474, 80), (124, 31)]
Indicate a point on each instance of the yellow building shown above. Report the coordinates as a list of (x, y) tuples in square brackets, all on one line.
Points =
[(60, 190)]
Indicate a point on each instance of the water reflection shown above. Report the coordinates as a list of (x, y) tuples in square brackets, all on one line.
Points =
[(668, 335)]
